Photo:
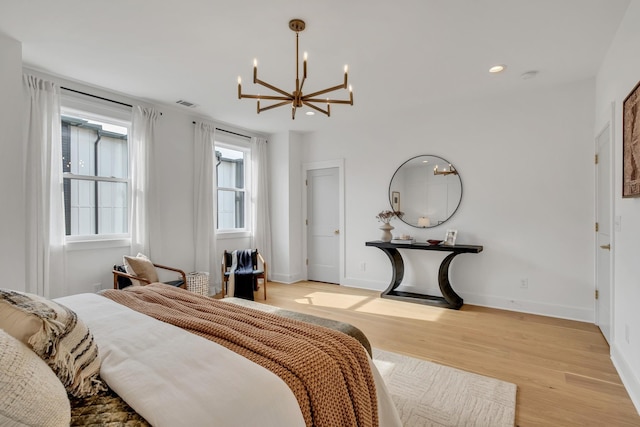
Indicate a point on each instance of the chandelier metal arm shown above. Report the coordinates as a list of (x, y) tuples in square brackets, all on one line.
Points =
[(326, 112), (320, 92), (329, 101), (279, 104), (273, 88)]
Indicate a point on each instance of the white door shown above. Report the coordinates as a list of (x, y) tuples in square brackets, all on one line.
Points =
[(603, 240), (323, 225)]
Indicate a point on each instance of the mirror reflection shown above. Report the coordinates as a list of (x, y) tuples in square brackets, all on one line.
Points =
[(427, 189)]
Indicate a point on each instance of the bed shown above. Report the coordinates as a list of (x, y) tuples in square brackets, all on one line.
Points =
[(169, 357)]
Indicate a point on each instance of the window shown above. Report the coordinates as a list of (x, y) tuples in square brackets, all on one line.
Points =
[(95, 165), (233, 192)]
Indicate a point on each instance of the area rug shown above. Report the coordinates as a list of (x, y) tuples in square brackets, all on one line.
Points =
[(428, 394)]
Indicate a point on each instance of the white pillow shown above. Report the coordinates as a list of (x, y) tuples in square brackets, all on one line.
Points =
[(140, 266), (30, 393)]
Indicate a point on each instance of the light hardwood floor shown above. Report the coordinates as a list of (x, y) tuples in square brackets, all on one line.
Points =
[(561, 367)]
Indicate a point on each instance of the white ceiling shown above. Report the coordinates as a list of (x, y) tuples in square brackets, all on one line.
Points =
[(402, 55)]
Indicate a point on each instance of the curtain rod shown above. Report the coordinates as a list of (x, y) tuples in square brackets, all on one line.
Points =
[(96, 96), (228, 131)]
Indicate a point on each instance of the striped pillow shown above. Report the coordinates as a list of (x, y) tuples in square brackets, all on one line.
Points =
[(55, 333)]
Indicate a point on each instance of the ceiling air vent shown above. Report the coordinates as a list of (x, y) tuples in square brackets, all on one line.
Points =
[(186, 103)]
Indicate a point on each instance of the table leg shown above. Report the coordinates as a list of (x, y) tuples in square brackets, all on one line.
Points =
[(448, 293)]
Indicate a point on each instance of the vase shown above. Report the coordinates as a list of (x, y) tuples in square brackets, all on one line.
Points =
[(386, 232)]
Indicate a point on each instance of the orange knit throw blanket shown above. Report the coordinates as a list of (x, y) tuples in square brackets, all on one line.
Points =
[(328, 371)]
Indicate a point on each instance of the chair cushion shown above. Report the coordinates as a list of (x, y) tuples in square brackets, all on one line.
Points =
[(57, 335), (142, 267), (30, 393)]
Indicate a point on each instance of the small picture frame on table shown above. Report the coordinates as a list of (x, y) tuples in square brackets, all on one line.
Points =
[(450, 238)]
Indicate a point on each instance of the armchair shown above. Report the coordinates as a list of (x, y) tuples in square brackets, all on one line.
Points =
[(142, 270)]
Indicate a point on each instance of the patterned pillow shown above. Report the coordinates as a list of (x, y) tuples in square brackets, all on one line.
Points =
[(55, 333), (30, 393), (142, 267)]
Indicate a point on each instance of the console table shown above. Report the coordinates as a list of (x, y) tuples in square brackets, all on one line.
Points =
[(449, 298)]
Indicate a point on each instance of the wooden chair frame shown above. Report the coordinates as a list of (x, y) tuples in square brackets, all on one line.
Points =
[(263, 275), (117, 273)]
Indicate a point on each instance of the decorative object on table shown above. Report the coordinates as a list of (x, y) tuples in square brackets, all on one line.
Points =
[(198, 282), (434, 241), (450, 238), (395, 201), (631, 144), (296, 99), (428, 199), (385, 217), (403, 239)]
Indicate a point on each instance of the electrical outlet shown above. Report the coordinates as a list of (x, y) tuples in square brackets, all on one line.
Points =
[(524, 283), (97, 287)]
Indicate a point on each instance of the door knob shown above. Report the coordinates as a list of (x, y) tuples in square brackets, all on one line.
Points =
[(336, 231), (607, 247)]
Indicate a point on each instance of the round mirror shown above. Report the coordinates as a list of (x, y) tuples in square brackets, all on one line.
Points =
[(427, 189)]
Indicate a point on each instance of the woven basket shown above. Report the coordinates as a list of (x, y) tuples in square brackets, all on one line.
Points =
[(198, 282)]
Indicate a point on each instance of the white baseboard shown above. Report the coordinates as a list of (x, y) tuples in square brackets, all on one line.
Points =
[(629, 379), (285, 278)]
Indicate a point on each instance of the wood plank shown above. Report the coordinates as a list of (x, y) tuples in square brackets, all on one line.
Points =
[(562, 367)]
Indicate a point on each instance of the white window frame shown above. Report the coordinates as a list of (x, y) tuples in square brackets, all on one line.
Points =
[(238, 143), (108, 113)]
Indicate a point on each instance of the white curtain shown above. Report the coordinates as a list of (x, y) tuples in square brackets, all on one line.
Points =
[(261, 237), (205, 204), (145, 226), (44, 193)]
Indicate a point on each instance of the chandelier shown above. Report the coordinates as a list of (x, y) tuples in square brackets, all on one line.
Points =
[(297, 98)]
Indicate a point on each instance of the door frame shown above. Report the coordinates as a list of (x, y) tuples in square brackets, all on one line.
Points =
[(306, 167), (610, 122)]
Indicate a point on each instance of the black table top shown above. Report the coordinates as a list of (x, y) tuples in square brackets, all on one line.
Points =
[(426, 246)]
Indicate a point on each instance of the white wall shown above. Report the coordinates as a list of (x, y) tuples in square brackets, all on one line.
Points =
[(526, 164), (286, 206), (618, 75), (12, 218)]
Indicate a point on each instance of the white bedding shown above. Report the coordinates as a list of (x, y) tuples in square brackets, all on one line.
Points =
[(174, 378)]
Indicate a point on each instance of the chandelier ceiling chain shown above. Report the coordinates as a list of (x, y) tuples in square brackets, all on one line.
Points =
[(297, 98)]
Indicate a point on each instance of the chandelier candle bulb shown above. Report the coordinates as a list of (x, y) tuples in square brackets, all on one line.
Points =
[(255, 70), (304, 66), (239, 87)]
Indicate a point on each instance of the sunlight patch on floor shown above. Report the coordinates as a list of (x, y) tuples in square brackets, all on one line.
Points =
[(371, 305), (326, 299)]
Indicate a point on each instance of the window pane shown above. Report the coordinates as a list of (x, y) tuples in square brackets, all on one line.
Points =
[(94, 149), (95, 207), (112, 208), (231, 168), (230, 209)]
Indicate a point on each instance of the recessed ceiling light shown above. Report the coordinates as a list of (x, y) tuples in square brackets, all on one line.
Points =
[(309, 113), (497, 68)]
